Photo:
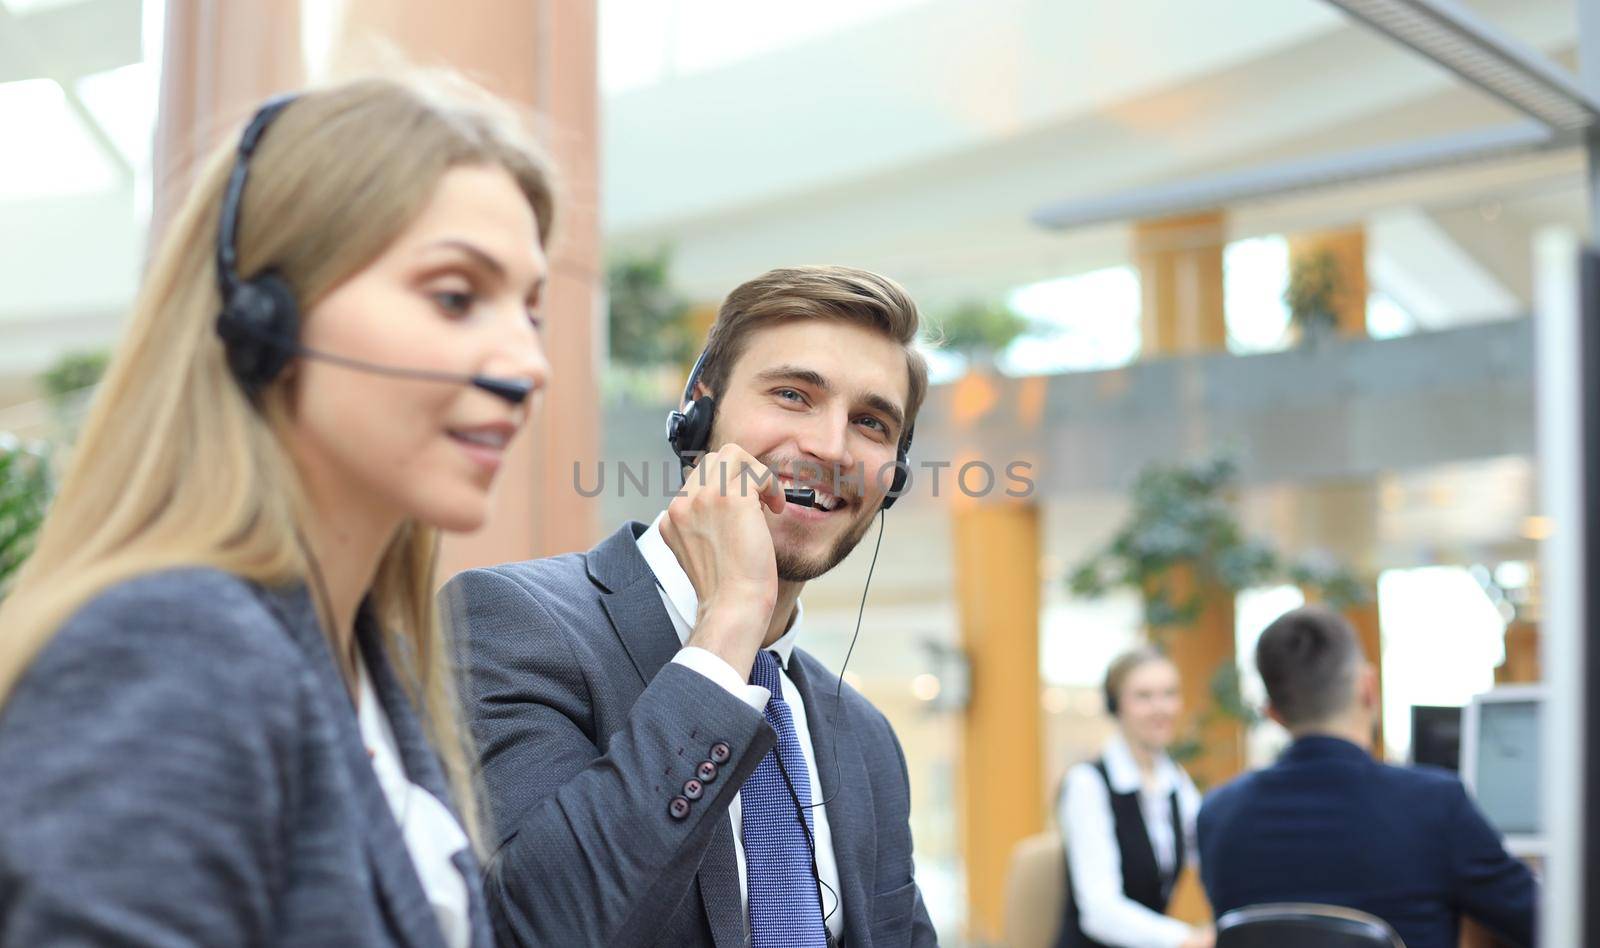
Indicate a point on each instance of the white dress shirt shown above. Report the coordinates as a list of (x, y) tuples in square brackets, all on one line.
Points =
[(1104, 912), (683, 604), (432, 835)]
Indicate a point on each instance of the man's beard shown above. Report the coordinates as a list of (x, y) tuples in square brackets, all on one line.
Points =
[(799, 568), (796, 568)]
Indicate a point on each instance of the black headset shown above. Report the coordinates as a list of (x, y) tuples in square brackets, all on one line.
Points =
[(260, 319), (689, 433)]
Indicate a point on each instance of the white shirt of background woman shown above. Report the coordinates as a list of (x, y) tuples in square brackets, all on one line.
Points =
[(1105, 913)]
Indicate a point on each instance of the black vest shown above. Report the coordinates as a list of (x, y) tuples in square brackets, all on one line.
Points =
[(1142, 878)]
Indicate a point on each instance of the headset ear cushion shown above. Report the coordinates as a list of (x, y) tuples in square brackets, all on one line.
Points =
[(902, 474), (260, 330), (691, 432)]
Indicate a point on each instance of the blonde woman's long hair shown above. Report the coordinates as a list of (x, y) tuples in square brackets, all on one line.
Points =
[(176, 467)]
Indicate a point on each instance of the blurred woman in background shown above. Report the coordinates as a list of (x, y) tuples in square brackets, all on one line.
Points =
[(226, 707), (1128, 818)]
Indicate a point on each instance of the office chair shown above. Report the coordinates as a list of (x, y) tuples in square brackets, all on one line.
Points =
[(1036, 887), (1304, 926)]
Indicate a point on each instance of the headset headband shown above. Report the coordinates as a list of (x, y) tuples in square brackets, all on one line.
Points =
[(694, 376), (233, 197)]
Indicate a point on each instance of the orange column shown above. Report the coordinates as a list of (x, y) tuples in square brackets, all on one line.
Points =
[(997, 548), (218, 61), (542, 55), (1364, 619), (1180, 280), (1200, 650), (1348, 248), (1522, 664)]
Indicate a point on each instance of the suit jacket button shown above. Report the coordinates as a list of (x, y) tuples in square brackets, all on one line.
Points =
[(694, 790), (721, 753), (679, 808), (706, 772)]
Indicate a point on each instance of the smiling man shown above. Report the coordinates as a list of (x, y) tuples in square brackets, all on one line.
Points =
[(663, 764)]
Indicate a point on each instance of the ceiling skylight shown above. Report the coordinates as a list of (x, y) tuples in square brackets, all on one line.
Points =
[(59, 156)]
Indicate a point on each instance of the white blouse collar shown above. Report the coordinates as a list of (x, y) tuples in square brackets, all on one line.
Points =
[(1124, 770)]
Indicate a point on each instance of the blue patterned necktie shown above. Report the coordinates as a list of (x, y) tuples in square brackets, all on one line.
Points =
[(784, 911)]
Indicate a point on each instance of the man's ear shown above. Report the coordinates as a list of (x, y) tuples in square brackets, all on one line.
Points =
[(700, 391), (1368, 683)]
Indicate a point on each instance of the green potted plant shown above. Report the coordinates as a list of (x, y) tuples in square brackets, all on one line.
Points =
[(73, 375), (1334, 584), (647, 320), (978, 330), (1313, 296), (1183, 543), (67, 387), (25, 490), (26, 474), (1181, 517)]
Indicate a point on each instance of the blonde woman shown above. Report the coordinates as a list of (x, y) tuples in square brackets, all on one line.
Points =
[(226, 714), (1129, 818)]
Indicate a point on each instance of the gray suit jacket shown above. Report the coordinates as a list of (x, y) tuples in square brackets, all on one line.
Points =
[(182, 766), (587, 731)]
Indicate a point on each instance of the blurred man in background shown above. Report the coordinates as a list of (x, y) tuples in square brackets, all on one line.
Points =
[(1329, 824)]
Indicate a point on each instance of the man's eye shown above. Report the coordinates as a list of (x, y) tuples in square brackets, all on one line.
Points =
[(789, 394), (876, 425)]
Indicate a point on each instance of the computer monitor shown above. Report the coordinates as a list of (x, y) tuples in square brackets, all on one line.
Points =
[(1501, 763), (1436, 736)]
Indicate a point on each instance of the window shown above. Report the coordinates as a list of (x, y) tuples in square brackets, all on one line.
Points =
[(1442, 639), (1255, 274), (1386, 319), (1084, 322), (62, 158)]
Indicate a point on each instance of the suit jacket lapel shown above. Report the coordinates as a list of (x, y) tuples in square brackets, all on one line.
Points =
[(843, 776), (632, 601), (405, 903)]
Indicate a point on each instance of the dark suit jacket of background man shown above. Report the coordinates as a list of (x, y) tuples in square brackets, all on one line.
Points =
[(587, 730), (1330, 824)]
